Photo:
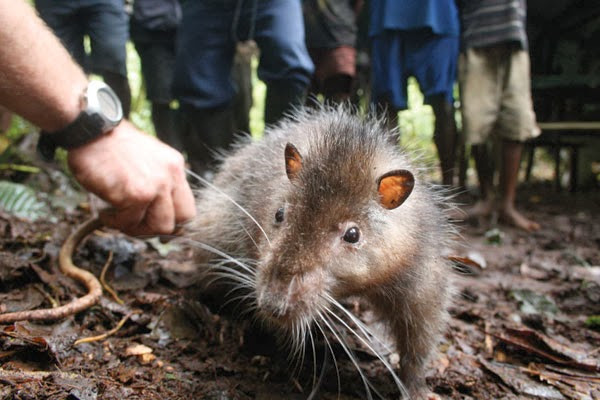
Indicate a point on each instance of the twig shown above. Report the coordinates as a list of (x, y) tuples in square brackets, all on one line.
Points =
[(106, 334), (22, 375), (71, 270), (20, 168), (105, 285), (46, 295)]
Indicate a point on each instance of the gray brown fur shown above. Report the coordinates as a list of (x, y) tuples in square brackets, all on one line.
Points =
[(397, 266)]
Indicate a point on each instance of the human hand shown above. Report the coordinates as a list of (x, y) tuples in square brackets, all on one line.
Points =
[(141, 177)]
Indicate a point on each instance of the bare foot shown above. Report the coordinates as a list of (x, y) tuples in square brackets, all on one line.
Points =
[(483, 208), (510, 215)]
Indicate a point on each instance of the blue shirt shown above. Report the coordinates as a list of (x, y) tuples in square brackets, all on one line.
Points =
[(439, 16)]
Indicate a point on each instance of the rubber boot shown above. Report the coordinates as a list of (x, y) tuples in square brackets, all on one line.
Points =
[(163, 118), (204, 133), (282, 97)]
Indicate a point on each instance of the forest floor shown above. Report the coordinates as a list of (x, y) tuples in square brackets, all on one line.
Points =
[(522, 323)]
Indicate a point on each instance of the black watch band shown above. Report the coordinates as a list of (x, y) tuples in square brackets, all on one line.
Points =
[(101, 112), (83, 130)]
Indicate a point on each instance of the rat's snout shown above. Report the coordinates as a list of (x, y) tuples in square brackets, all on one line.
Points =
[(284, 297)]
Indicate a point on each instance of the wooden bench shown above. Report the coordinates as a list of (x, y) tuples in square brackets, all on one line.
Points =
[(562, 134)]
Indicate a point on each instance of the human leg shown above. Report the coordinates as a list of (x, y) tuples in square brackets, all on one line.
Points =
[(203, 133), (157, 56), (389, 79), (432, 59), (202, 81), (445, 137), (284, 64), (242, 76), (480, 92), (337, 88), (282, 97), (163, 118), (108, 28), (516, 123), (509, 172), (67, 24), (485, 174)]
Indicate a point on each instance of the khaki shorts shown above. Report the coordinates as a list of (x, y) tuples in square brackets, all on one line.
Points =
[(495, 89)]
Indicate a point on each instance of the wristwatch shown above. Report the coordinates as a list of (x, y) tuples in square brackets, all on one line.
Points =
[(101, 112)]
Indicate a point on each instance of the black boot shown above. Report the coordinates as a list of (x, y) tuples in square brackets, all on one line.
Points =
[(282, 97), (164, 125), (205, 132)]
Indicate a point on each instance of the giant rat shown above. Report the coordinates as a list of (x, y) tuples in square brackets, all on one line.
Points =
[(326, 206)]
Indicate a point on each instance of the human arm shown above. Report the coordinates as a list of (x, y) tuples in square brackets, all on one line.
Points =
[(142, 178), (38, 78)]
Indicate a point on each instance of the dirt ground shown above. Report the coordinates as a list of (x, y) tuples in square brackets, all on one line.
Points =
[(522, 323)]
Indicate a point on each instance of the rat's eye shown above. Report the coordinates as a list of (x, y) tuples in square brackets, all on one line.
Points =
[(352, 235), (279, 215)]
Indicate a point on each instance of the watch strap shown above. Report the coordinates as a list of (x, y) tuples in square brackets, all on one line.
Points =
[(83, 130)]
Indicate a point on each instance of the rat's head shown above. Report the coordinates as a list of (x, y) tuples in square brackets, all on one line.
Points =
[(333, 233)]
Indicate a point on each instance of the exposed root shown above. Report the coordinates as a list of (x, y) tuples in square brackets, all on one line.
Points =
[(106, 334), (39, 287), (105, 284), (71, 270)]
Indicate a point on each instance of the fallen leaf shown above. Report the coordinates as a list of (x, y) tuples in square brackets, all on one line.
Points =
[(575, 384), (540, 345), (471, 264), (146, 358), (512, 376), (137, 349), (531, 302)]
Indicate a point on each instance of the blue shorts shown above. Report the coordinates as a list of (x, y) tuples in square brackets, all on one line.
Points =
[(207, 39), (104, 21), (430, 58)]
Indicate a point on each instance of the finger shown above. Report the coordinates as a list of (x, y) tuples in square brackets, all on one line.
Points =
[(124, 219), (178, 232), (184, 203), (159, 218)]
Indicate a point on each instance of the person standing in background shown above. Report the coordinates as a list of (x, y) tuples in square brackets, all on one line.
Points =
[(106, 24), (495, 87), (331, 38), (153, 30), (209, 33), (417, 38)]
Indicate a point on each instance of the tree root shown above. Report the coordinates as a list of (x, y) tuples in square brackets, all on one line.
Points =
[(103, 336), (71, 270), (105, 284)]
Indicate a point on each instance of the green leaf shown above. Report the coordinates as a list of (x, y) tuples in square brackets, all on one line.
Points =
[(21, 201), (593, 322), (534, 303), (162, 248), (494, 236)]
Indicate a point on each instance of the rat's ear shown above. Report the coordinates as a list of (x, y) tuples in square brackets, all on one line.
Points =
[(394, 187), (293, 161)]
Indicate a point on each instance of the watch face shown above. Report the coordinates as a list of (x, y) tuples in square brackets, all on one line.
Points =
[(109, 104)]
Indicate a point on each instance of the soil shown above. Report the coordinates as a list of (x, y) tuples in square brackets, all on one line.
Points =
[(522, 322)]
